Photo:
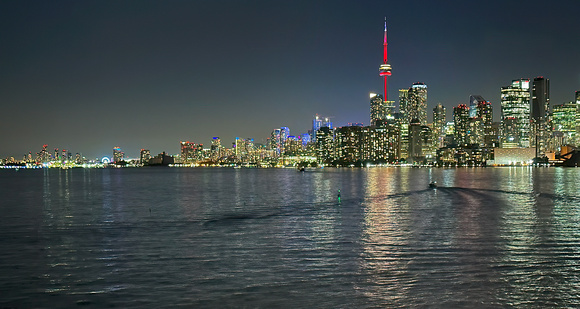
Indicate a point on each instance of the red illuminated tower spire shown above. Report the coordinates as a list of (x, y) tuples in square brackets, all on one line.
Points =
[(385, 68)]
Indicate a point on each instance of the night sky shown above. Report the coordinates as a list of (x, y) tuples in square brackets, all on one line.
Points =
[(91, 75)]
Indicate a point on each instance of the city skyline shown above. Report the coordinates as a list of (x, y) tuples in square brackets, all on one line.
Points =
[(88, 77)]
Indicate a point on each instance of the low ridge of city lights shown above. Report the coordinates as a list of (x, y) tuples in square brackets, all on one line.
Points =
[(531, 130)]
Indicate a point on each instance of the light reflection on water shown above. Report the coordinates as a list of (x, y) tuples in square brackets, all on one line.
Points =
[(495, 237)]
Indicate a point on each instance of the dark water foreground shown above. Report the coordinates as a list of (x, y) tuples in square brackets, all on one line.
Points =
[(250, 238)]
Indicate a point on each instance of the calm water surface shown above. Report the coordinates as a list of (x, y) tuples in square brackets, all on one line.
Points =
[(262, 238)]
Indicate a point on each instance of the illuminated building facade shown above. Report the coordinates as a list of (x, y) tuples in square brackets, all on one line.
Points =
[(490, 134), (284, 133), (216, 149), (439, 119), (144, 156), (325, 145), (347, 140), (404, 145), (368, 144), (474, 101), (78, 158), (449, 133), (403, 102), (388, 142), (191, 152), (378, 110), (118, 155), (305, 139), (474, 132), (510, 129), (540, 115), (275, 141), (577, 100), (417, 103), (513, 156), (564, 123), (404, 122), (515, 112), (278, 139), (462, 124), (248, 150), (239, 148), (327, 123), (381, 143), (429, 147), (485, 113), (446, 156), (44, 155), (318, 123), (292, 146), (415, 143)]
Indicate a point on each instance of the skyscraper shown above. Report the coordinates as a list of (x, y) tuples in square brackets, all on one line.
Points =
[(404, 122), (474, 133), (429, 148), (305, 139), (381, 143), (380, 109), (415, 153), (275, 142), (377, 110), (515, 113), (540, 98), (510, 131), (191, 152), (439, 119), (240, 149), (564, 122), (118, 155), (403, 102), (347, 140), (78, 158), (577, 100), (144, 156), (462, 124), (474, 100), (540, 112), (292, 146), (216, 148), (318, 123), (490, 138), (417, 103), (327, 123), (419, 142), (248, 150), (325, 145), (44, 155), (284, 133)]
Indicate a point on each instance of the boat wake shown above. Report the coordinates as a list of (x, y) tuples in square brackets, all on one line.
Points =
[(233, 218)]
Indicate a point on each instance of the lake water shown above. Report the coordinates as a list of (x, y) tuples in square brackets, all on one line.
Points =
[(263, 238)]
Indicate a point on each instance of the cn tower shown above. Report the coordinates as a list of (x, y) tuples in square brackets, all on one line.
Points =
[(385, 68)]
